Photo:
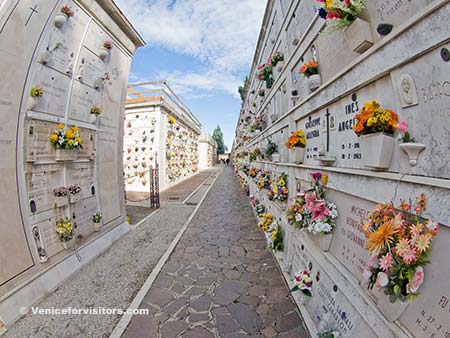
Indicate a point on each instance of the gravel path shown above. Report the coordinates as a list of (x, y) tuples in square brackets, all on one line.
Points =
[(111, 281)]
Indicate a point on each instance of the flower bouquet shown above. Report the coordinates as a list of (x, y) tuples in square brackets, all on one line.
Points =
[(74, 193), (253, 172), (345, 15), (265, 222), (296, 144), (61, 196), (66, 140), (376, 127), (64, 231), (303, 282), (296, 213), (272, 151), (399, 241), (263, 180), (36, 93), (264, 73), (61, 17), (96, 219), (280, 190), (104, 52), (311, 71), (274, 238)]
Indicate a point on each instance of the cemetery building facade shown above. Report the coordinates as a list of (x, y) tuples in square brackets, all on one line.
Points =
[(302, 126), (65, 67)]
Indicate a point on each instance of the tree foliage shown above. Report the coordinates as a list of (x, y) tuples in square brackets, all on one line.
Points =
[(243, 89), (218, 136)]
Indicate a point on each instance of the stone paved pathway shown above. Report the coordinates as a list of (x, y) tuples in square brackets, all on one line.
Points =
[(220, 281)]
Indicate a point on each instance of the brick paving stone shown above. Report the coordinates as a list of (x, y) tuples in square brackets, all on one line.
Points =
[(221, 281)]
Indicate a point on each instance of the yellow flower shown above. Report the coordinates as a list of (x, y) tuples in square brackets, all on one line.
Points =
[(78, 140), (75, 129), (324, 179), (70, 134), (70, 142), (380, 238), (60, 126), (54, 138)]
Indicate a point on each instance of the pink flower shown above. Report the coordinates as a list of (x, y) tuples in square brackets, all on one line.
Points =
[(386, 262), (382, 280), (403, 126), (317, 207), (416, 281), (316, 176), (410, 255), (432, 227)]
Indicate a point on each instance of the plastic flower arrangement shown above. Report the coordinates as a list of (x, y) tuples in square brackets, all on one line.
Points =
[(277, 57), (253, 172), (328, 334), (274, 238), (74, 189), (108, 45), (96, 110), (97, 217), (263, 180), (265, 222), (64, 230), (264, 72), (36, 91), (271, 148), (280, 190), (67, 11), (66, 138), (260, 209), (260, 122), (171, 120), (372, 119), (310, 209), (297, 139), (399, 241), (340, 14), (296, 213), (303, 282), (310, 68), (61, 192)]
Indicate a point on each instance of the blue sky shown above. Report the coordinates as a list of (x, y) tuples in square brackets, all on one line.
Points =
[(203, 48)]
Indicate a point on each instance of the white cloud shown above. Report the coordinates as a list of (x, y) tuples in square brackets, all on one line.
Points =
[(221, 33)]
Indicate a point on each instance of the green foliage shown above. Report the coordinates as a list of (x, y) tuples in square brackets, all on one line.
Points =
[(218, 137), (244, 88)]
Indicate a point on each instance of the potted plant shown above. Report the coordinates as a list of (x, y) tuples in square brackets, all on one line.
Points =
[(345, 15), (94, 113), (104, 52), (74, 193), (61, 195), (409, 144), (272, 151), (61, 18), (311, 70), (96, 219), (35, 94), (376, 127), (67, 141), (64, 231), (296, 144), (399, 241), (303, 283)]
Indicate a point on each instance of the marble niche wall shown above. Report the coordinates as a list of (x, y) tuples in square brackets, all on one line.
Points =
[(68, 62), (155, 133), (407, 71)]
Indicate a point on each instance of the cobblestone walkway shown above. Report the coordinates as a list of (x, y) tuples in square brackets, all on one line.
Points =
[(220, 281)]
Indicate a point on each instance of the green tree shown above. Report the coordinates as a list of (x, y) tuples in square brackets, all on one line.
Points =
[(243, 89), (218, 136)]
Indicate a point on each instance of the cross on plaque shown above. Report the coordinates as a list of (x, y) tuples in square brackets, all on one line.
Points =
[(327, 114), (33, 10)]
